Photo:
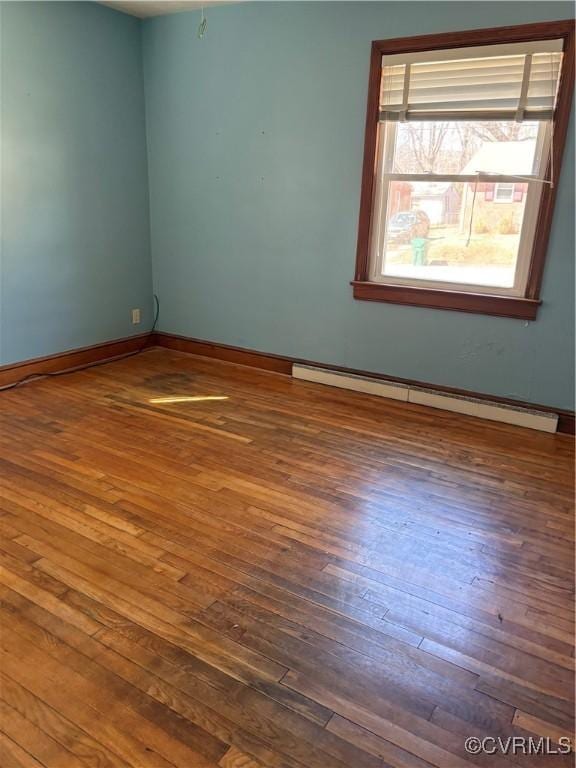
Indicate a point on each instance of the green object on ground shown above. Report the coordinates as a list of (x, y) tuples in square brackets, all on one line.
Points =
[(419, 249)]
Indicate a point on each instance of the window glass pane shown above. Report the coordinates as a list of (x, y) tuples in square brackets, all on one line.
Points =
[(453, 232), (464, 147)]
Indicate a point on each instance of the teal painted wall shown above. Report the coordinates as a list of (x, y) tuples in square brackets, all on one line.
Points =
[(255, 140), (75, 232)]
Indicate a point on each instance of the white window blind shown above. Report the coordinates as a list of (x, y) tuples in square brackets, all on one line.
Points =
[(501, 82)]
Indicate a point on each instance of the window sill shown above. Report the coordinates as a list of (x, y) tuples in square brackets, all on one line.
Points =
[(434, 298)]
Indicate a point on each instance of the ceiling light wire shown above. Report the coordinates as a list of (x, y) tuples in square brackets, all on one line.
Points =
[(203, 24)]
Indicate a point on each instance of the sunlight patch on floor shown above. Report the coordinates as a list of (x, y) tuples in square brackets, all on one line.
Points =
[(186, 399)]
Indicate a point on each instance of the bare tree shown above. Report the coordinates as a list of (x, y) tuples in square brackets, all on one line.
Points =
[(432, 147), (502, 131), (426, 145), (446, 147)]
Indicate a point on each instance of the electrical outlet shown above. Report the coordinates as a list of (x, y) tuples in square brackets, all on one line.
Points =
[(135, 316)]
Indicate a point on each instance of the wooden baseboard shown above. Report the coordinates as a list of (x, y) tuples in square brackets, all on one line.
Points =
[(283, 364), (263, 360), (71, 359), (566, 422), (110, 350)]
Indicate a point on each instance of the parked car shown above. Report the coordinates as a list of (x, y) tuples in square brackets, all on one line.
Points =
[(406, 225)]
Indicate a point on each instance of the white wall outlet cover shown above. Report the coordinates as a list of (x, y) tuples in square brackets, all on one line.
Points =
[(135, 316)]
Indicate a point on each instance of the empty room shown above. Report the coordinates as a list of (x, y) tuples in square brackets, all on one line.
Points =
[(287, 384)]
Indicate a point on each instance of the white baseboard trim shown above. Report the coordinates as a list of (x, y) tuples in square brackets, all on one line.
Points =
[(351, 381), (469, 406)]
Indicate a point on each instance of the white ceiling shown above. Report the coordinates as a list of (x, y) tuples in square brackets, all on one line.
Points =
[(146, 8)]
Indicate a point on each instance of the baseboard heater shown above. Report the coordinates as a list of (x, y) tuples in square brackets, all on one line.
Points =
[(470, 406)]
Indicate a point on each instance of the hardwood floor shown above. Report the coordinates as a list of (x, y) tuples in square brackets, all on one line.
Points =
[(287, 576)]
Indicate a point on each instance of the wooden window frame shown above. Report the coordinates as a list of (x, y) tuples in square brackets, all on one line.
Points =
[(521, 307)]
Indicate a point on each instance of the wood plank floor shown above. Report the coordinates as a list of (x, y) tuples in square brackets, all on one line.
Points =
[(286, 576)]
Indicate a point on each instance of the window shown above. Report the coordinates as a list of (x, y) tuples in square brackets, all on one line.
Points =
[(503, 193), (462, 155)]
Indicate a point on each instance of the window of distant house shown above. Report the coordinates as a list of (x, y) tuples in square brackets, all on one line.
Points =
[(503, 193), (464, 140)]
